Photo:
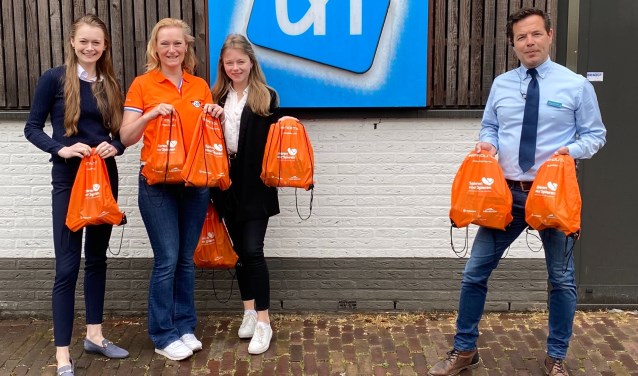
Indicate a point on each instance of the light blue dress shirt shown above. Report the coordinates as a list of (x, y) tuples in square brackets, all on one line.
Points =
[(568, 116)]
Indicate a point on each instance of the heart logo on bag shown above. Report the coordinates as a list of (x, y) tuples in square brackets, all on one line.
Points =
[(218, 147), (172, 143), (552, 186), (488, 181), (96, 187), (292, 152)]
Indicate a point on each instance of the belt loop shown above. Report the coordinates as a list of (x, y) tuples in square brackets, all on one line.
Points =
[(524, 186)]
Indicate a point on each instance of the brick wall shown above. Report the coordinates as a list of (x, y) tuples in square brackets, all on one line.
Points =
[(382, 189), (297, 284)]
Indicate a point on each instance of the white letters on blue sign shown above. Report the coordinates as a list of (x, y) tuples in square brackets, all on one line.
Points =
[(356, 23), (316, 16)]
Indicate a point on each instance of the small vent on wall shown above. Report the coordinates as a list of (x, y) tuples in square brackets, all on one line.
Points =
[(347, 304)]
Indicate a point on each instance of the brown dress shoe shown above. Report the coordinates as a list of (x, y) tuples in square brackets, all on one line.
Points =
[(555, 367), (455, 362)]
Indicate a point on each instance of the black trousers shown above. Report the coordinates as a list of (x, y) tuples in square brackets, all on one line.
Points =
[(252, 271), (68, 252)]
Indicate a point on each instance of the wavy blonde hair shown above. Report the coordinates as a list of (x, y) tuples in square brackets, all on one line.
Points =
[(152, 58), (106, 89), (258, 94)]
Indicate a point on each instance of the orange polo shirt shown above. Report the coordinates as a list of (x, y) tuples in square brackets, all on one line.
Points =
[(153, 88)]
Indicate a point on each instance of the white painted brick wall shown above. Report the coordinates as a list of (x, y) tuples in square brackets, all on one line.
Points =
[(382, 189)]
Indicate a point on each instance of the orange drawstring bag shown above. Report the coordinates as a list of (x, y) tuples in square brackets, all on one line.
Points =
[(207, 160), (215, 249), (92, 202), (166, 160), (288, 158), (480, 194), (554, 200)]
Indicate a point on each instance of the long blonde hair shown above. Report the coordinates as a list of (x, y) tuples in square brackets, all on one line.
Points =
[(258, 94), (152, 58), (106, 89)]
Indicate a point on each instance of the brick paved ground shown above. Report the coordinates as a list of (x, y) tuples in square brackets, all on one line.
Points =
[(604, 343)]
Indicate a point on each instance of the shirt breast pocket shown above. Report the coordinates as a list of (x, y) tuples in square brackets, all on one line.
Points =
[(559, 110)]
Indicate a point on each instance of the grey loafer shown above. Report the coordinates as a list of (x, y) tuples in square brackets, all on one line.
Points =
[(67, 370), (108, 349)]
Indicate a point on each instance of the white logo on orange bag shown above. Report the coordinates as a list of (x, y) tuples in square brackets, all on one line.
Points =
[(214, 149), (93, 191), (169, 146), (487, 181), (292, 152), (209, 239), (548, 189), (484, 185)]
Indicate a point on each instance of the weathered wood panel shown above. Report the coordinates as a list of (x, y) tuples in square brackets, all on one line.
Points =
[(476, 42), (32, 32), (451, 60), (9, 43), (463, 78), (489, 28), (438, 54), (3, 45)]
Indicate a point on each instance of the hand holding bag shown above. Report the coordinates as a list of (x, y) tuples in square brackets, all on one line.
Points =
[(288, 158), (92, 202), (207, 160), (554, 200), (167, 156), (480, 194)]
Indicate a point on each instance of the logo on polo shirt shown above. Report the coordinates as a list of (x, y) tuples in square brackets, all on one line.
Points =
[(197, 104)]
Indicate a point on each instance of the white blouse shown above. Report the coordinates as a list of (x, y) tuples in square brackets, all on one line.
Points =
[(232, 116)]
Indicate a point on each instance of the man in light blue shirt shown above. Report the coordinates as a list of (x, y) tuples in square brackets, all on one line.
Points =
[(568, 122)]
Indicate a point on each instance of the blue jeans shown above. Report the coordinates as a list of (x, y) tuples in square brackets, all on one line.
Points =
[(173, 215), (489, 245)]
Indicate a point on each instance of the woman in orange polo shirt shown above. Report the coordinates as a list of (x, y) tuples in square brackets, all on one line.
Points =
[(173, 214)]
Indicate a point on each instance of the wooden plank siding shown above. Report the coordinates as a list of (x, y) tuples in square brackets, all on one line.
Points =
[(468, 46)]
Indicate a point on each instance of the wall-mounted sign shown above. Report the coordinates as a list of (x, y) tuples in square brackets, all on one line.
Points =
[(332, 53)]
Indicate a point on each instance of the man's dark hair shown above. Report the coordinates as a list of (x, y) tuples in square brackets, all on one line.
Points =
[(524, 13)]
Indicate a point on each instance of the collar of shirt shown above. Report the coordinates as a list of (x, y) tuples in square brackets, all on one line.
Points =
[(84, 75), (233, 107), (542, 70), (158, 76)]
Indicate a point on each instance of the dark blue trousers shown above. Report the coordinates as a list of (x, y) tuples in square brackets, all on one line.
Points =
[(68, 252)]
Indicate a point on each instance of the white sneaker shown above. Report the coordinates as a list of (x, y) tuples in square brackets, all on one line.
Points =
[(261, 339), (191, 342), (175, 351), (247, 328)]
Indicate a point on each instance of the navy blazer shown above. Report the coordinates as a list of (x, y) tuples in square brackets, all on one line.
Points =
[(248, 197)]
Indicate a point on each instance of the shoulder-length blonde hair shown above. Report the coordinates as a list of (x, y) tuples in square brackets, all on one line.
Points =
[(258, 94), (152, 58), (106, 89)]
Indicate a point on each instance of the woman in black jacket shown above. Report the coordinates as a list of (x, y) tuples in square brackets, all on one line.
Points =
[(250, 107)]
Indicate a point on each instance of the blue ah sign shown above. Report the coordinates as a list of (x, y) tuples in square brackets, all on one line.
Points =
[(332, 53)]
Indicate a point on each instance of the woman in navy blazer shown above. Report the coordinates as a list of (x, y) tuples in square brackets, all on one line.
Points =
[(250, 107)]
